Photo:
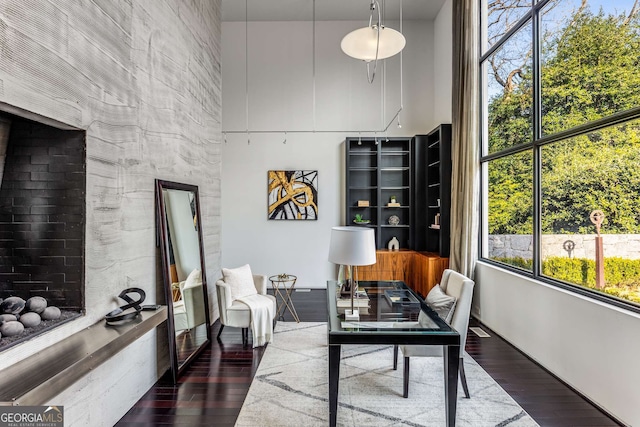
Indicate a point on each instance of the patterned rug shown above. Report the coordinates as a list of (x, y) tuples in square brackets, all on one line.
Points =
[(291, 387)]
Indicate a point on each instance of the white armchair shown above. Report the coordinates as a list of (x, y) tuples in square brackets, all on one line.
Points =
[(460, 287), (235, 313), (188, 311)]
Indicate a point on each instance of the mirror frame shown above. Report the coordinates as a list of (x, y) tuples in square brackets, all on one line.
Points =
[(163, 242)]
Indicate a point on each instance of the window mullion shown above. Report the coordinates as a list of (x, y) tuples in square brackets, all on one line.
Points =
[(537, 132)]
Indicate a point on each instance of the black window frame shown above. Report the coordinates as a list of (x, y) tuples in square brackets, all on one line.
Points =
[(535, 146)]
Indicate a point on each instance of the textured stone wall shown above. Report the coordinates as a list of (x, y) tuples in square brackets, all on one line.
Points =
[(565, 245), (142, 77)]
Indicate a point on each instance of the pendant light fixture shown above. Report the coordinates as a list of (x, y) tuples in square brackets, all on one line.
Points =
[(373, 42)]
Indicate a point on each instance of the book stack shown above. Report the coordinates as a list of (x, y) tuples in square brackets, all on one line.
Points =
[(360, 303)]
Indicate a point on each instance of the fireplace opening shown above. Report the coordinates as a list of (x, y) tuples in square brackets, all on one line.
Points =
[(42, 223)]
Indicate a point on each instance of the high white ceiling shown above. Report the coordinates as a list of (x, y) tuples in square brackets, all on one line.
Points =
[(326, 10)]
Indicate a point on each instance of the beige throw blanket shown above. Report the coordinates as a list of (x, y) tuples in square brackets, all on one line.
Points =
[(261, 318)]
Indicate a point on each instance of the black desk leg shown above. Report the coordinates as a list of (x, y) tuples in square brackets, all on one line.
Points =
[(334, 377), (451, 365)]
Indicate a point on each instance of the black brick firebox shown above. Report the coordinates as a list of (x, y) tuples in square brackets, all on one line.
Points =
[(42, 214)]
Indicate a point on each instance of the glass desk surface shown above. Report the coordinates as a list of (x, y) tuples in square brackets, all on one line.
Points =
[(394, 309)]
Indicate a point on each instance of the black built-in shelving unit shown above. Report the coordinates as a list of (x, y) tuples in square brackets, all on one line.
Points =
[(417, 171), (431, 186), (376, 170)]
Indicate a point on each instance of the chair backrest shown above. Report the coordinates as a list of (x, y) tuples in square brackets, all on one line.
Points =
[(460, 287)]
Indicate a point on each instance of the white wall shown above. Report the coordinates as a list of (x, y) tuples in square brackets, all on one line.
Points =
[(143, 79), (443, 63), (590, 345), (281, 95)]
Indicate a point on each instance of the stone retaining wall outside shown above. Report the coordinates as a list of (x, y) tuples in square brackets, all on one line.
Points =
[(564, 245)]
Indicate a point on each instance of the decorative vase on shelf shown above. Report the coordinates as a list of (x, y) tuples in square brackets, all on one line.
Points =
[(394, 244)]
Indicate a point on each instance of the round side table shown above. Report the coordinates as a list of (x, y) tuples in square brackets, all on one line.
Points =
[(283, 285)]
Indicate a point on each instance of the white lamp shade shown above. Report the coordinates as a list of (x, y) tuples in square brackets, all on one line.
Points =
[(361, 43), (352, 246)]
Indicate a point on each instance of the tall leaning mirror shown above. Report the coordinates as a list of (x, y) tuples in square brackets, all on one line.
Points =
[(183, 271)]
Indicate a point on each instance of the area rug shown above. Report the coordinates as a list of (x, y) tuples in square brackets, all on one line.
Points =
[(290, 387)]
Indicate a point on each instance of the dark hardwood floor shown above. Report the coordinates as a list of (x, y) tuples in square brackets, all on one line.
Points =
[(212, 390)]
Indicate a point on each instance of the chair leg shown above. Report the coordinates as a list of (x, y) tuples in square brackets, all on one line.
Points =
[(463, 379), (395, 357), (220, 331), (245, 336), (406, 378)]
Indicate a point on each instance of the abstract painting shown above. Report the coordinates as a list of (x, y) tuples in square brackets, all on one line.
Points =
[(293, 194)]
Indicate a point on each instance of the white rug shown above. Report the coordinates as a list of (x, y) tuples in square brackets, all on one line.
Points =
[(291, 387)]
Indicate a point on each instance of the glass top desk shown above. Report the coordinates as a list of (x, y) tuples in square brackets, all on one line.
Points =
[(396, 315)]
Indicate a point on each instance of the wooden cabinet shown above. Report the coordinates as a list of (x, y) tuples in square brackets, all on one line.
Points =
[(427, 271), (377, 170), (431, 187), (390, 265), (421, 271)]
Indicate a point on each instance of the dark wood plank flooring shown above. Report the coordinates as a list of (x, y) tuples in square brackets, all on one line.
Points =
[(212, 390)]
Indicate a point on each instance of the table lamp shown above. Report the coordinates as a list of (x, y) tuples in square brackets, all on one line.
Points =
[(352, 246)]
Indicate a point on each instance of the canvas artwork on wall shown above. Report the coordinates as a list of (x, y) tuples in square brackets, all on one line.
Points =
[(293, 194)]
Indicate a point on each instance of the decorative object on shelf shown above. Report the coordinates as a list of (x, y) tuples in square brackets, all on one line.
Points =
[(436, 220), (373, 42), (393, 202), (360, 220), (363, 203), (120, 314), (293, 194), (393, 245), (394, 220), (352, 246)]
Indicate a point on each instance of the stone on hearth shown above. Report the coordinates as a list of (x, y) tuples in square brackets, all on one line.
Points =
[(9, 329), (50, 313), (12, 305), (7, 318), (36, 304), (30, 320)]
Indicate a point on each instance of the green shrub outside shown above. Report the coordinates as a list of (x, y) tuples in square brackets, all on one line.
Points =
[(526, 264), (621, 275)]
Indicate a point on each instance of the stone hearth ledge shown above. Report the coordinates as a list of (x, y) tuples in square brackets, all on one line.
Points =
[(42, 376)]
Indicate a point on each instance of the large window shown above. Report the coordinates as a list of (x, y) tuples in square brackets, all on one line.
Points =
[(561, 143)]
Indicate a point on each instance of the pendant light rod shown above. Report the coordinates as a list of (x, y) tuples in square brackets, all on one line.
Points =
[(372, 7)]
